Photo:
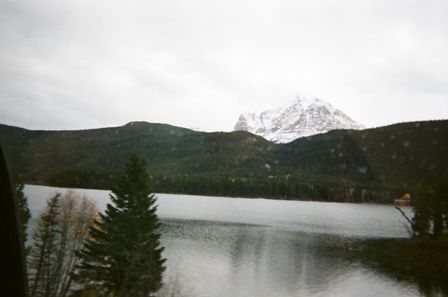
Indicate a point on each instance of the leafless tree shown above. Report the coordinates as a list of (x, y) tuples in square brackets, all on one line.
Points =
[(71, 226)]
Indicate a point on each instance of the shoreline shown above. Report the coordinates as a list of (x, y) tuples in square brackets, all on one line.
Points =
[(222, 196)]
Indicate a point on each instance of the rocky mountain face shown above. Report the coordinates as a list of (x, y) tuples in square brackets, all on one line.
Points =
[(304, 117)]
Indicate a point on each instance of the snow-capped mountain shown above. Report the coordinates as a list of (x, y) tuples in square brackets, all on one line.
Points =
[(304, 117)]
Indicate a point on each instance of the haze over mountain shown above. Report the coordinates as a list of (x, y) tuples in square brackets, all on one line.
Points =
[(306, 116)]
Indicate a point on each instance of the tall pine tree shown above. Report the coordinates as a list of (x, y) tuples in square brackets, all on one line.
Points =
[(22, 203), (61, 230), (43, 254), (123, 257)]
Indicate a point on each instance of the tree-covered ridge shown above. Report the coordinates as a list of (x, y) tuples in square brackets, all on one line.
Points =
[(342, 165)]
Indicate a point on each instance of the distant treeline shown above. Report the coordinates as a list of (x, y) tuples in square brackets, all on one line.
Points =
[(372, 165), (287, 187)]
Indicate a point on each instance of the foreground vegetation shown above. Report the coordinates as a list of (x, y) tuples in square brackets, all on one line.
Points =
[(123, 256), (60, 232), (77, 252)]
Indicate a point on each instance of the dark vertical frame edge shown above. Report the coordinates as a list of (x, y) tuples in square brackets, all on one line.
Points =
[(12, 250)]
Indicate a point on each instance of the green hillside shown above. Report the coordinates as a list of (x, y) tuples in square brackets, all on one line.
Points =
[(341, 165)]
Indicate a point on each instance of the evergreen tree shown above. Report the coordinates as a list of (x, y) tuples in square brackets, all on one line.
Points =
[(444, 198), (123, 257), (422, 211), (42, 258), (431, 209), (22, 203), (61, 230)]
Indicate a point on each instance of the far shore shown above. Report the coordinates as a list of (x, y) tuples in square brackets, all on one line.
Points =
[(224, 196)]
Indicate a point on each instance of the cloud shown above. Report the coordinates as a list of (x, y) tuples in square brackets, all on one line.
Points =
[(81, 64)]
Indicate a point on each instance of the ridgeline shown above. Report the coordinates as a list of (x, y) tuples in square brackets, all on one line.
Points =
[(372, 165)]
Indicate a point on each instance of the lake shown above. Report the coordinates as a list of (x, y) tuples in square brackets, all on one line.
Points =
[(239, 247)]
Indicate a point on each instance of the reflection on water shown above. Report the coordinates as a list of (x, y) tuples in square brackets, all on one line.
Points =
[(223, 259), (256, 247), (421, 262)]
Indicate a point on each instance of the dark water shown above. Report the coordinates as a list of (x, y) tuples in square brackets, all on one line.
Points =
[(257, 247)]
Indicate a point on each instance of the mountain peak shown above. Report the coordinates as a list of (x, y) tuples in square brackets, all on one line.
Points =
[(305, 116)]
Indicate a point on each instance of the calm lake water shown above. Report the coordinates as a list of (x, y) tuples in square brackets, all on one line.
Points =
[(239, 247)]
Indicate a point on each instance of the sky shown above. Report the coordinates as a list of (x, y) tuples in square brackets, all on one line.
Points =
[(78, 64)]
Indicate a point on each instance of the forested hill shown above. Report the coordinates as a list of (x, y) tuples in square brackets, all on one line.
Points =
[(342, 165)]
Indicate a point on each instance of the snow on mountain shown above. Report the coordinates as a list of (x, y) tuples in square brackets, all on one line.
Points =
[(304, 117)]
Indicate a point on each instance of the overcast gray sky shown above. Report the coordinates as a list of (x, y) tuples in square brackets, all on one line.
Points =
[(81, 63)]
